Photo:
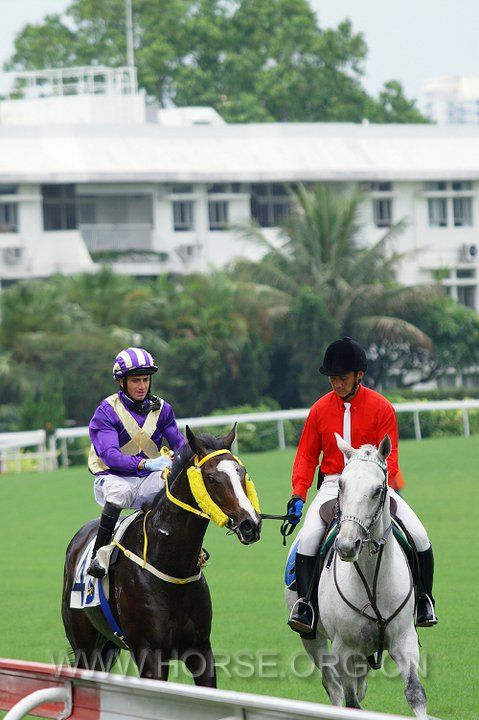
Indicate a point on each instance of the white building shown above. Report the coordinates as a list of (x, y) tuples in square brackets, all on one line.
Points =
[(452, 100), (89, 177)]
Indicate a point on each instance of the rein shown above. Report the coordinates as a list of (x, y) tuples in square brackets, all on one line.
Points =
[(382, 623)]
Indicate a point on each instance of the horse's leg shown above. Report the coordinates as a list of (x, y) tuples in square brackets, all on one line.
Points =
[(406, 654), (86, 642), (201, 664), (362, 685), (347, 671), (318, 651), (151, 664)]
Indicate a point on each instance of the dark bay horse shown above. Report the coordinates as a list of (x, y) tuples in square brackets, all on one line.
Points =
[(163, 620)]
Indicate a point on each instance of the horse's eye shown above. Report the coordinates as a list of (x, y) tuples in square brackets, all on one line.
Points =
[(212, 478), (341, 485), (376, 492)]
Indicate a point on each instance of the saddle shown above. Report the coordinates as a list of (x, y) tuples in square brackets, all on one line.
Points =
[(329, 514)]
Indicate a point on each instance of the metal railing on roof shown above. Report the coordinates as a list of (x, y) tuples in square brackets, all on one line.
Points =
[(89, 80)]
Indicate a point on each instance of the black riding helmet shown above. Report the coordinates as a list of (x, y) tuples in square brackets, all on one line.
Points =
[(342, 357)]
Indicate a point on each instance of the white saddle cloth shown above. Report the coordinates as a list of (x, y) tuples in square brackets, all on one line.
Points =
[(85, 587)]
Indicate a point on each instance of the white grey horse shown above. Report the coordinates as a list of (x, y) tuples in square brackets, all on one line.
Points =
[(365, 597)]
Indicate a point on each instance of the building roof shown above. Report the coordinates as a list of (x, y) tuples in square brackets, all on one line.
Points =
[(237, 153)]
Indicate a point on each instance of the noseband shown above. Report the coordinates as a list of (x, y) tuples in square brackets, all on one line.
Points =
[(374, 545)]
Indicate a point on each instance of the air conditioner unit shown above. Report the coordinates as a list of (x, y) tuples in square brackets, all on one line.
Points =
[(12, 255), (469, 252)]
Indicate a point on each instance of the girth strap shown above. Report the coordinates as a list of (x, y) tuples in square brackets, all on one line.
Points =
[(154, 571)]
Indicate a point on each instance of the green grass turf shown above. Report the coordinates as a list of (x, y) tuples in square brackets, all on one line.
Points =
[(40, 512)]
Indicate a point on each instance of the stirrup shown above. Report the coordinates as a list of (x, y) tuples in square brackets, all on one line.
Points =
[(96, 569), (302, 617), (427, 617)]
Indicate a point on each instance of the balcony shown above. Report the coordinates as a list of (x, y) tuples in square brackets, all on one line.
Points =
[(119, 238)]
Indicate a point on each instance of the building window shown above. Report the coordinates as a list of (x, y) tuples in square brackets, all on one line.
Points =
[(437, 212), (181, 188), (462, 211), (218, 214), (383, 212), (381, 187), (225, 188), (453, 200), (270, 204), (436, 186), (462, 185), (59, 207), (466, 294), (183, 215), (8, 217)]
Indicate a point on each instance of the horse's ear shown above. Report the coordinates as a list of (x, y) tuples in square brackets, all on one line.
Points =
[(345, 447), (192, 440), (228, 440), (385, 447)]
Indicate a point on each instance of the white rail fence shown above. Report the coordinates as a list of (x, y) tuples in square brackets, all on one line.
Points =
[(87, 695), (12, 443)]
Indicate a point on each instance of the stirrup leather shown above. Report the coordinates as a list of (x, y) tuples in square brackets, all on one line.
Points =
[(295, 623)]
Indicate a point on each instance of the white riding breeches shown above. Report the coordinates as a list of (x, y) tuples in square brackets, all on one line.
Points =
[(127, 492), (314, 526)]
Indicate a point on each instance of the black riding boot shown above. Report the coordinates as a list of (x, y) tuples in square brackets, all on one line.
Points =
[(108, 520), (425, 613), (302, 617)]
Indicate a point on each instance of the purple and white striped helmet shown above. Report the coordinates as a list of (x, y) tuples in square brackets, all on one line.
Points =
[(133, 361)]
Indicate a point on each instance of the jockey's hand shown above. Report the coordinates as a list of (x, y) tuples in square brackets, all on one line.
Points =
[(294, 510), (157, 464)]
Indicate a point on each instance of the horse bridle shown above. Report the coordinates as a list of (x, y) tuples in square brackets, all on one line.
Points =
[(381, 622), (376, 544)]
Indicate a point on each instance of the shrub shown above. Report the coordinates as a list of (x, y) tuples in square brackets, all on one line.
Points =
[(254, 436)]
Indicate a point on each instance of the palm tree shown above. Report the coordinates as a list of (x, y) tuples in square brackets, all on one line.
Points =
[(320, 247)]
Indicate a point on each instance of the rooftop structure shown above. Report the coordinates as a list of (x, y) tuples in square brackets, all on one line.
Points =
[(453, 100)]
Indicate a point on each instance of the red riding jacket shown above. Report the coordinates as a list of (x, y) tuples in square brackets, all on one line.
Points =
[(372, 417)]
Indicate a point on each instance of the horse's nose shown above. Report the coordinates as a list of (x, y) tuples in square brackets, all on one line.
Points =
[(249, 530), (348, 550)]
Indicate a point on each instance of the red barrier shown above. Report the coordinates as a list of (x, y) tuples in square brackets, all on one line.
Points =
[(19, 679)]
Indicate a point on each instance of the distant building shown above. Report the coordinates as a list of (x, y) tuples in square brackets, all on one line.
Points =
[(89, 174), (452, 100)]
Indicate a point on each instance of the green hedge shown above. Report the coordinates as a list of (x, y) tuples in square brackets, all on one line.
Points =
[(434, 423)]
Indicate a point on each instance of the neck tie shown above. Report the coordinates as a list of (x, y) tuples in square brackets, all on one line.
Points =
[(347, 425)]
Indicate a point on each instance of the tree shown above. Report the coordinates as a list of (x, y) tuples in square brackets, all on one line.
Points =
[(253, 61), (394, 107), (45, 408), (330, 282), (453, 330)]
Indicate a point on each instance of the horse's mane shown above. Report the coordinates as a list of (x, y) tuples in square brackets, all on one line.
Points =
[(181, 460)]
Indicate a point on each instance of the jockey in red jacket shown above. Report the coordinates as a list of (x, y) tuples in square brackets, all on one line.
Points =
[(127, 432), (361, 416)]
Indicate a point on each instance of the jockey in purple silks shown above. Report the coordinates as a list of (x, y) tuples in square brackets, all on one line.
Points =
[(127, 431)]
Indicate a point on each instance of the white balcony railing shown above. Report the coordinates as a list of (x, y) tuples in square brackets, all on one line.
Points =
[(118, 238)]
